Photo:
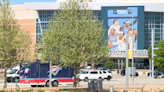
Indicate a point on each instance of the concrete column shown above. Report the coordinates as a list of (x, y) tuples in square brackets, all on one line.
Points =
[(118, 62), (122, 63), (136, 63)]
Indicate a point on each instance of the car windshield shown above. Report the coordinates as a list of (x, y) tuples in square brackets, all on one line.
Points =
[(109, 71), (13, 71), (84, 72)]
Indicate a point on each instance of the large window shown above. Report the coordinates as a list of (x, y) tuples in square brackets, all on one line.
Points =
[(153, 20), (43, 19)]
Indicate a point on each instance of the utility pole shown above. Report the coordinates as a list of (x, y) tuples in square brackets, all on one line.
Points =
[(132, 52), (150, 67), (152, 51), (126, 71), (50, 75)]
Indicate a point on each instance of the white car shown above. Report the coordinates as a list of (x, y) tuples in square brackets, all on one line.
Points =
[(107, 74), (92, 74)]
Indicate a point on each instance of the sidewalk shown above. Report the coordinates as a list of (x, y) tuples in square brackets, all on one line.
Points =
[(120, 88)]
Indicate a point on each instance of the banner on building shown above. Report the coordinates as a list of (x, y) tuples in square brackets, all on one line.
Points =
[(121, 24)]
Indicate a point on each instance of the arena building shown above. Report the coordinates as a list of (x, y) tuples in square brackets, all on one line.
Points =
[(140, 15)]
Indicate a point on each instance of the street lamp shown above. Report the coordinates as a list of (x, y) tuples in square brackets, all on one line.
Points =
[(152, 51), (131, 12)]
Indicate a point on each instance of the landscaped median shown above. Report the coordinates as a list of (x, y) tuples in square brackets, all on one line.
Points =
[(117, 88)]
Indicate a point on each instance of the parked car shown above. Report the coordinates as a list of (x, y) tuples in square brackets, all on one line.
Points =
[(8, 70), (101, 68), (107, 74), (87, 67), (123, 73), (13, 75), (159, 73), (92, 74)]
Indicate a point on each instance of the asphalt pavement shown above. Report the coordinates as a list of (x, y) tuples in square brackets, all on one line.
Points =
[(116, 81)]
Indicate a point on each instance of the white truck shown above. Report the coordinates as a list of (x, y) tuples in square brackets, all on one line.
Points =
[(13, 75)]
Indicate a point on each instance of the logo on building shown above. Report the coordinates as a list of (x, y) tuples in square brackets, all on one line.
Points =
[(26, 70), (120, 12)]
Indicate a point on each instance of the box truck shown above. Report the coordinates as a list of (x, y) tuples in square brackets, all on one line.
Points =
[(37, 74)]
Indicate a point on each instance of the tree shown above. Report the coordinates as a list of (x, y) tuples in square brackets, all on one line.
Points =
[(159, 59), (129, 64), (72, 35), (109, 64), (23, 43), (9, 33)]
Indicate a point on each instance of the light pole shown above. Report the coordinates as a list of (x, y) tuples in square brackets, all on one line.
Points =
[(131, 12), (50, 74), (126, 71), (150, 67), (152, 51)]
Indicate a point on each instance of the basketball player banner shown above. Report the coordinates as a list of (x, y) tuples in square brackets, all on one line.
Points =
[(119, 26)]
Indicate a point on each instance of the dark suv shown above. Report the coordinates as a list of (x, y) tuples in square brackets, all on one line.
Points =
[(159, 73), (123, 73)]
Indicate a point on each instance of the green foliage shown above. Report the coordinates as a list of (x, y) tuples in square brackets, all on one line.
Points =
[(129, 64), (70, 91), (159, 59), (40, 91), (118, 71), (149, 50), (75, 37), (57, 91), (14, 43), (26, 90), (109, 64)]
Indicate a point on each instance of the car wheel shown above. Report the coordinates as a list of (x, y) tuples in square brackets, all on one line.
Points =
[(33, 85), (108, 78), (40, 85), (100, 78), (16, 79), (55, 83), (86, 79), (9, 80), (148, 75), (47, 84)]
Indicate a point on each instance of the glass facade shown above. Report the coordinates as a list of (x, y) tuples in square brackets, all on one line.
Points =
[(43, 19), (153, 20)]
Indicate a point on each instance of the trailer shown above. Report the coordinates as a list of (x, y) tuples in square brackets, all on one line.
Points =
[(37, 74)]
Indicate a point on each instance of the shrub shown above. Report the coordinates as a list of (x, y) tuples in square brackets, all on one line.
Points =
[(41, 91), (129, 64), (27, 90), (118, 71), (57, 91), (109, 64)]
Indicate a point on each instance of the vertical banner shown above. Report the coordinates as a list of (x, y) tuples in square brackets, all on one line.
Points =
[(130, 54), (119, 25)]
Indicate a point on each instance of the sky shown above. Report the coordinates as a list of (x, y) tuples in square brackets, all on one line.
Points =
[(18, 2)]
